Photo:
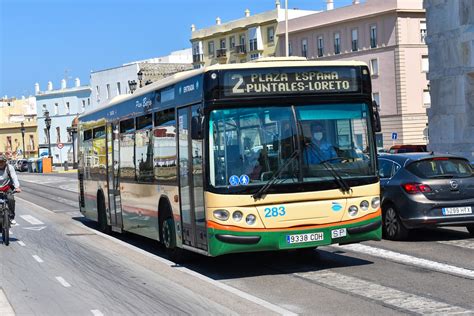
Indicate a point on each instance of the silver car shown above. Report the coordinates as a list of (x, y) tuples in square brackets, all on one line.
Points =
[(423, 189)]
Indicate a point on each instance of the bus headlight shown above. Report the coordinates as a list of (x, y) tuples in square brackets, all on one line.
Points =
[(237, 216), (222, 215), (364, 205), (250, 219), (376, 202), (353, 210)]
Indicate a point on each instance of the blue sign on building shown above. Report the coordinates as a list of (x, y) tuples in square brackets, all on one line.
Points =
[(394, 136)]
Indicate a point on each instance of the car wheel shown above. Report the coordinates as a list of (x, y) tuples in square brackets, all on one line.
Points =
[(393, 228), (470, 229)]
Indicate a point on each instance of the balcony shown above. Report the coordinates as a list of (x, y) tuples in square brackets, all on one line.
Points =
[(221, 53), (198, 58), (240, 50)]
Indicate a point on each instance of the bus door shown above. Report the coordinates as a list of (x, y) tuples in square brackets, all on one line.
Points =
[(193, 219), (113, 184)]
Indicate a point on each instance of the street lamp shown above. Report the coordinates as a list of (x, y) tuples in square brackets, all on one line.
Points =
[(140, 77), (72, 130), (132, 84), (47, 121), (23, 137)]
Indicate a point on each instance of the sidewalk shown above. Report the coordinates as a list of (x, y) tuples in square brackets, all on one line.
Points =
[(61, 170)]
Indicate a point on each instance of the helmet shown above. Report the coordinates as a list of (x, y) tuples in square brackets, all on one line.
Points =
[(3, 157)]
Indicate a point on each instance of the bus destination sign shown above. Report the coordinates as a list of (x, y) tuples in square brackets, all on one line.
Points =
[(296, 80)]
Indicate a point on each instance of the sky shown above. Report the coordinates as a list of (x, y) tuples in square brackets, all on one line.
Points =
[(43, 40)]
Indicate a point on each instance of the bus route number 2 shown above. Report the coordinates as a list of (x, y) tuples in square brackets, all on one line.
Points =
[(275, 211)]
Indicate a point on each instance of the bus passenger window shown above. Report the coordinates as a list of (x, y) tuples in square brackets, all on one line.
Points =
[(144, 149), (127, 142), (98, 158), (164, 144)]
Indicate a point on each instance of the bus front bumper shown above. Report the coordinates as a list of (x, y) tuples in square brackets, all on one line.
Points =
[(223, 239)]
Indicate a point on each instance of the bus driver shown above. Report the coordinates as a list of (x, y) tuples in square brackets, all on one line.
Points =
[(319, 149)]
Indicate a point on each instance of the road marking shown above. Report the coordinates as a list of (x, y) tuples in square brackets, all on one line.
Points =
[(33, 204), (379, 293), (37, 258), (21, 243), (63, 282), (96, 312), (277, 309), (463, 243), (5, 308), (32, 220), (409, 260), (37, 228)]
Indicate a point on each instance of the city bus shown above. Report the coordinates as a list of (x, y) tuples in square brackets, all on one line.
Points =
[(225, 159)]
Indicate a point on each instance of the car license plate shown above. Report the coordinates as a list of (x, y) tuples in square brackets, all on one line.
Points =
[(302, 238), (338, 233), (457, 210)]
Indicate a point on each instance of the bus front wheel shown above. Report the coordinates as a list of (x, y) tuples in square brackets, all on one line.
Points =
[(168, 234)]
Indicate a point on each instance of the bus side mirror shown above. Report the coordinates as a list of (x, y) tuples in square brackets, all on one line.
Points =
[(197, 124), (376, 118)]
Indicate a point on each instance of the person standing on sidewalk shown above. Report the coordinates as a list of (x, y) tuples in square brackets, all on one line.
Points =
[(9, 181)]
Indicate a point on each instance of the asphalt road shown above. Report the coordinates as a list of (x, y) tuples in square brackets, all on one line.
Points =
[(59, 264)]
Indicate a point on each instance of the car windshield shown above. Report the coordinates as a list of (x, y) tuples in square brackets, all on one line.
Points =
[(249, 145), (441, 168)]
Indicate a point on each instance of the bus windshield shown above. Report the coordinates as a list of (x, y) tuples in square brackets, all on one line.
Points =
[(248, 146)]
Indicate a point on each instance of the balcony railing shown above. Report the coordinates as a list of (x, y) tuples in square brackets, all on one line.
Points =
[(240, 49), (221, 53), (198, 58)]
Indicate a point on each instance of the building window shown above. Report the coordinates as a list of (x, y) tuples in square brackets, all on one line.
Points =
[(32, 143), (9, 143), (426, 98), (97, 92), (304, 48), (210, 48), (44, 108), (423, 31), (320, 46), (231, 42), (337, 43), (270, 34), (119, 89), (254, 56), (355, 40), (222, 43), (45, 130), (290, 49), (68, 108), (108, 91), (376, 98), (242, 40), (253, 44), (88, 101), (374, 67), (425, 64), (56, 108), (373, 36), (83, 108)]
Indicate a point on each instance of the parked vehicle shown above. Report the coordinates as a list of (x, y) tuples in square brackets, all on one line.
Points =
[(399, 149), (422, 189), (21, 165)]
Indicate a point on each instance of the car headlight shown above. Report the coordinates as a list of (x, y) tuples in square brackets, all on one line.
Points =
[(250, 219), (237, 216), (376, 202), (353, 210), (222, 215), (364, 205)]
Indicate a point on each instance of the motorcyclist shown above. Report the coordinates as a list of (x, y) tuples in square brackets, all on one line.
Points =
[(9, 183)]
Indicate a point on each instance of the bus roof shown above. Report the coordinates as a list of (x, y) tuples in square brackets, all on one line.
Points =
[(269, 62)]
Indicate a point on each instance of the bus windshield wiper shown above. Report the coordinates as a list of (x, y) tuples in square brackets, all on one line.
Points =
[(337, 177), (258, 195)]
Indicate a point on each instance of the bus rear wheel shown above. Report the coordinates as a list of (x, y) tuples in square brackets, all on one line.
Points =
[(102, 215)]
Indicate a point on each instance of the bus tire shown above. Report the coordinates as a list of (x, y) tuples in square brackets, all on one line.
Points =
[(168, 234), (102, 215)]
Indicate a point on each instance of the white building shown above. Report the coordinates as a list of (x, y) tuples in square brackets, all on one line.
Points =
[(109, 83)]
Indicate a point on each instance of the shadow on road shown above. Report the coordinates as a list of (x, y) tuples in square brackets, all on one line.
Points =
[(437, 234), (246, 264)]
